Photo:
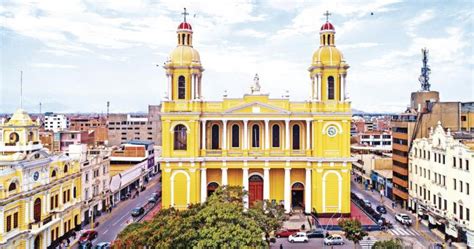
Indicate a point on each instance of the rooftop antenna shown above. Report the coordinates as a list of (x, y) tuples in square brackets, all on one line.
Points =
[(21, 89), (425, 72), (108, 106)]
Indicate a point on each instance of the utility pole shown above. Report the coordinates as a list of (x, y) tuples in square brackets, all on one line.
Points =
[(108, 108)]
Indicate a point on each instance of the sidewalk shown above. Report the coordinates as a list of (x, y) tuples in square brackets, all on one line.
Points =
[(296, 220)]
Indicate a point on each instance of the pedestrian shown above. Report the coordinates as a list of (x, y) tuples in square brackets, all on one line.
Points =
[(68, 242), (74, 234), (281, 246)]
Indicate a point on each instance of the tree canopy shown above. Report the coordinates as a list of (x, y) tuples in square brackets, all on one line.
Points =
[(388, 244), (221, 222), (352, 230)]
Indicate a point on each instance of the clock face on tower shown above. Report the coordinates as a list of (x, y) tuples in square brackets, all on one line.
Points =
[(332, 131), (36, 176)]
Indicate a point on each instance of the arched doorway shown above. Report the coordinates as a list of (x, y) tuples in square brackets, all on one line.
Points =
[(37, 210), (255, 189), (211, 188), (297, 194), (37, 243)]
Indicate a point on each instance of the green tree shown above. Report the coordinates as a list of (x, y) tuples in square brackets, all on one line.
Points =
[(388, 244), (352, 230), (221, 222)]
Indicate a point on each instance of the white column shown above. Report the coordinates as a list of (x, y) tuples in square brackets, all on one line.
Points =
[(308, 134), (199, 87), (245, 182), (224, 176), (203, 140), (345, 87), (266, 183), (307, 192), (287, 134), (203, 185), (313, 89), (287, 190), (224, 135), (192, 86), (245, 134), (170, 88), (267, 135), (342, 87), (319, 86)]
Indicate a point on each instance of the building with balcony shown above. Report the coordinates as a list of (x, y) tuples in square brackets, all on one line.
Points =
[(126, 127), (55, 122), (440, 182), (95, 164), (40, 193), (293, 153)]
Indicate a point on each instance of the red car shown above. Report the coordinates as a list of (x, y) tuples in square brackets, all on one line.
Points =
[(88, 235), (284, 232)]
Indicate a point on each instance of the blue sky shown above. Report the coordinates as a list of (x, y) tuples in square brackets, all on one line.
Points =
[(78, 54)]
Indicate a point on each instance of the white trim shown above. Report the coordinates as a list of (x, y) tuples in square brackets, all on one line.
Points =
[(203, 185), (327, 124), (174, 124), (256, 173), (188, 185), (339, 184), (279, 110), (287, 190)]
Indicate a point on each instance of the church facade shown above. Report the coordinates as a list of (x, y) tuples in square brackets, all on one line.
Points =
[(293, 153)]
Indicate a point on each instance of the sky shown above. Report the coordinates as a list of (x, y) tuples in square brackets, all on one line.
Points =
[(78, 54)]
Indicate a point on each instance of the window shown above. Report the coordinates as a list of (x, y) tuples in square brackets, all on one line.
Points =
[(460, 186), (296, 137), (454, 184), (275, 135), (12, 187), (454, 207), (444, 159), (9, 223), (445, 204), (65, 168), (330, 87), (180, 142), (15, 220), (37, 210), (454, 162), (467, 164), (467, 214), (181, 87), (255, 136), (461, 211), (215, 137), (467, 188), (53, 174), (235, 136)]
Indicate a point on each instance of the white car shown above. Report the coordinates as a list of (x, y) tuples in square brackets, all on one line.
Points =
[(403, 218), (367, 203), (298, 237), (334, 239)]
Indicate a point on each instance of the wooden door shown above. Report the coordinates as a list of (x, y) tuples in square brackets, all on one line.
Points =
[(255, 189)]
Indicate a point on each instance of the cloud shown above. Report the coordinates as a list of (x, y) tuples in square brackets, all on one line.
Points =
[(250, 33), (50, 65), (358, 45)]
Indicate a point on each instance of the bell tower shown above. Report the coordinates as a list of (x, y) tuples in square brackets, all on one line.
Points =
[(183, 68), (328, 69)]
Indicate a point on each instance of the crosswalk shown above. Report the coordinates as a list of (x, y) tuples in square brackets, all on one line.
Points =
[(367, 243), (398, 231)]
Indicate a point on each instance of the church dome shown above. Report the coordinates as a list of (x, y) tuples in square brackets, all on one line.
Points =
[(185, 26), (20, 118), (184, 56), (328, 56), (327, 26)]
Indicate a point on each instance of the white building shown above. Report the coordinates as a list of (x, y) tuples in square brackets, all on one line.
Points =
[(55, 122), (95, 179), (440, 180), (376, 139)]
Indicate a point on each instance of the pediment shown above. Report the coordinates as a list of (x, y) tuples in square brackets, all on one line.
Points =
[(256, 108)]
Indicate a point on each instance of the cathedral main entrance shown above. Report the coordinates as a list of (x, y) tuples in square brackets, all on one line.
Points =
[(211, 188), (297, 195), (255, 189)]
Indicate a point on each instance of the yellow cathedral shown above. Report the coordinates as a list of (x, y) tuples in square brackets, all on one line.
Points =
[(294, 153)]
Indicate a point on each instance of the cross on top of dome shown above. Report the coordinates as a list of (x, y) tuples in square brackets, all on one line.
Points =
[(327, 25), (184, 24)]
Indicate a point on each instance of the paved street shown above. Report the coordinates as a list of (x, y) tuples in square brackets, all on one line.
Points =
[(111, 224), (423, 235), (313, 243)]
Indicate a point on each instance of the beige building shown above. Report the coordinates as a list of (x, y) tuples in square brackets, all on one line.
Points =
[(127, 127), (440, 181)]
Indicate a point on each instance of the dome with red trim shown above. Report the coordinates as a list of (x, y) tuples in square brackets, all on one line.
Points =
[(185, 25), (327, 26)]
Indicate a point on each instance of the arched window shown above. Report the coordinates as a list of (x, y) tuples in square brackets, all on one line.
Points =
[(275, 135), (215, 137), (255, 136), (180, 137), (53, 174), (296, 137), (189, 38), (181, 87), (235, 136), (65, 168), (182, 39), (330, 87), (37, 210), (74, 192), (12, 187)]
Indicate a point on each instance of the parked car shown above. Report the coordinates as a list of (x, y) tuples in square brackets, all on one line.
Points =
[(156, 195), (298, 237), (138, 211), (381, 209), (103, 245), (315, 233), (152, 200), (437, 245), (87, 235), (404, 219), (367, 203), (285, 232), (334, 239)]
